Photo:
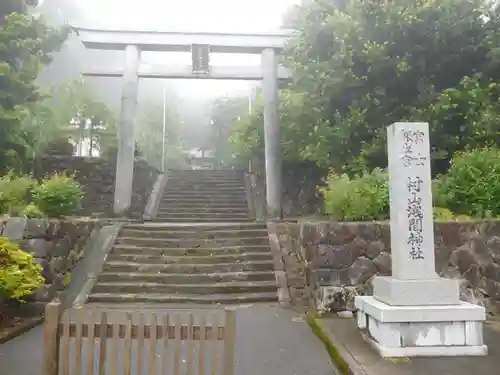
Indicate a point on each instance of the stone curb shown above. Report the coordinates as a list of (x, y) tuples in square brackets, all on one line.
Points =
[(91, 268), (345, 362), (279, 266), (153, 203), (20, 329)]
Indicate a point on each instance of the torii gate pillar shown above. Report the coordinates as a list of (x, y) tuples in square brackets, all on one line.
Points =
[(126, 138), (272, 134)]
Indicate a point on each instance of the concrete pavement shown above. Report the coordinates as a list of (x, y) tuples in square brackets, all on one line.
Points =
[(345, 337), (270, 340)]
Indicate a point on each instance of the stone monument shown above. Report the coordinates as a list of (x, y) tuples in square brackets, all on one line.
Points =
[(415, 312)]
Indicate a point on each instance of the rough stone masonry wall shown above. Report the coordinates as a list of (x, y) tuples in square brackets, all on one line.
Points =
[(330, 263), (300, 182), (97, 175), (56, 245)]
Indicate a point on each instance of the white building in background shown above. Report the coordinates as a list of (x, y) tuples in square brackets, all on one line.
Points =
[(82, 148)]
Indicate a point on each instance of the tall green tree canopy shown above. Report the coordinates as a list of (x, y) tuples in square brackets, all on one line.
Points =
[(360, 65), (26, 44)]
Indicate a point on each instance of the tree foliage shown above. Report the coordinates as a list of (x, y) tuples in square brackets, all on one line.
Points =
[(360, 65), (70, 111), (150, 139), (225, 112), (26, 45)]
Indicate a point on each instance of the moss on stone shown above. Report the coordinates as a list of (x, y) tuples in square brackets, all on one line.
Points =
[(337, 359)]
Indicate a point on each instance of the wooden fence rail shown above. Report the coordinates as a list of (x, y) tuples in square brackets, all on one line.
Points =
[(81, 342)]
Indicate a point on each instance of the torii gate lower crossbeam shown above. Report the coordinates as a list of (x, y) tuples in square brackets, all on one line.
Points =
[(133, 42)]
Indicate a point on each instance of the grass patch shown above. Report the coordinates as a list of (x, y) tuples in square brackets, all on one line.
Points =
[(342, 365)]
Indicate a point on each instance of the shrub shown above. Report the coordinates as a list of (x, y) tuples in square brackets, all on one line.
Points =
[(362, 198), (15, 192), (20, 275), (32, 211), (472, 184), (58, 195), (444, 214), (60, 146)]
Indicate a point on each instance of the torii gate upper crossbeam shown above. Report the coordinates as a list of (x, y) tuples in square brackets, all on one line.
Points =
[(253, 43)]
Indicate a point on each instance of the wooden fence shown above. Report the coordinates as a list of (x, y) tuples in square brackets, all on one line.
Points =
[(87, 342)]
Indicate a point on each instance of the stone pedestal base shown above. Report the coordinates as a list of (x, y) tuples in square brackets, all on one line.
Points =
[(411, 331), (438, 291)]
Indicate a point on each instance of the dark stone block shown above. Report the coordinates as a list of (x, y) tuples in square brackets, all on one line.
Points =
[(14, 228), (462, 258), (329, 256), (383, 262), (331, 277), (36, 228), (493, 246), (492, 272), (39, 247), (361, 270), (62, 247), (473, 275), (374, 248)]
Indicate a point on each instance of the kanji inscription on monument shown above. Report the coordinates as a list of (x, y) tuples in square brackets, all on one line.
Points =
[(412, 233)]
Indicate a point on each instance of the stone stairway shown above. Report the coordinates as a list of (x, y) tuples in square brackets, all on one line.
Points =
[(204, 196), (189, 263)]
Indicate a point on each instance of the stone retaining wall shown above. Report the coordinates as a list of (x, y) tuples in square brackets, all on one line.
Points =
[(299, 181), (97, 176), (329, 263), (56, 245)]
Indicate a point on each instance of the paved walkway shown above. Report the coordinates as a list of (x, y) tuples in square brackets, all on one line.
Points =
[(363, 360), (270, 340)]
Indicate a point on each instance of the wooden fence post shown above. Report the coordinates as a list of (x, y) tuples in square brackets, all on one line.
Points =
[(229, 343), (51, 338)]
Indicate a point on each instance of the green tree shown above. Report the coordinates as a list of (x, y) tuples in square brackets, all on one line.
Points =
[(150, 140), (226, 112), (359, 66), (69, 111), (26, 45)]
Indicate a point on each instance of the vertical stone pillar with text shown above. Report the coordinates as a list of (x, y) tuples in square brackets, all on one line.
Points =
[(414, 280), (415, 312)]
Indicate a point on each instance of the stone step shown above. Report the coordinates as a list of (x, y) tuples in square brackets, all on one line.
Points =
[(219, 215), (192, 243), (203, 185), (187, 259), (205, 197), (207, 194), (231, 287), (193, 188), (193, 233), (116, 266), (124, 249), (174, 219), (180, 278), (204, 210), (215, 299), (207, 177), (206, 173), (203, 201), (170, 203), (206, 184), (203, 182), (201, 227)]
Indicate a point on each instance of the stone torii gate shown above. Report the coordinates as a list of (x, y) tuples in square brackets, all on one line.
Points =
[(200, 45)]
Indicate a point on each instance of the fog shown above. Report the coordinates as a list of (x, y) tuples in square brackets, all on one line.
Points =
[(193, 97)]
